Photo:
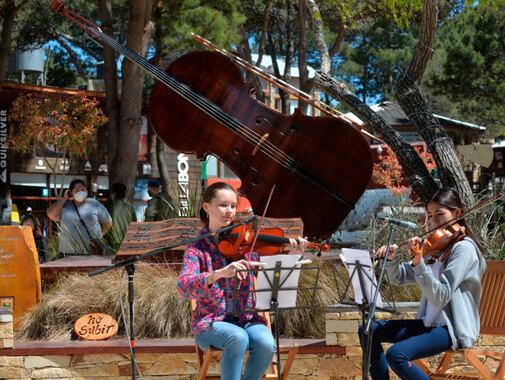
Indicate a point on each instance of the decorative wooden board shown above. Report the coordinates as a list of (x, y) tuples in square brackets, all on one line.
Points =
[(143, 237), (19, 269)]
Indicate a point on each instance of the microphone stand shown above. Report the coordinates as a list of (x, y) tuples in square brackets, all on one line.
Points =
[(371, 309), (129, 265)]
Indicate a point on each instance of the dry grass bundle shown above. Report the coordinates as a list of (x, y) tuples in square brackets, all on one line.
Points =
[(310, 322), (159, 311)]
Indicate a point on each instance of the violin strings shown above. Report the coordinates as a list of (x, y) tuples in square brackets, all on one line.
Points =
[(208, 107)]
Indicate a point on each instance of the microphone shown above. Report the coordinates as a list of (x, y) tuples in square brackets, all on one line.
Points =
[(398, 222)]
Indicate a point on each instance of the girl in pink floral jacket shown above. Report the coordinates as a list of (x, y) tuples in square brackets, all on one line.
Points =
[(222, 289)]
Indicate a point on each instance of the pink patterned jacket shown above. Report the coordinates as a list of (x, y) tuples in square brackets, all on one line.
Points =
[(200, 259)]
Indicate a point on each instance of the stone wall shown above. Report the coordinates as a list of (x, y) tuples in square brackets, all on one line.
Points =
[(342, 324), (341, 330), (166, 366), (151, 365), (6, 329)]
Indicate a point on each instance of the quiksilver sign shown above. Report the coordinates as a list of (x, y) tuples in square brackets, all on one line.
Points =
[(3, 146)]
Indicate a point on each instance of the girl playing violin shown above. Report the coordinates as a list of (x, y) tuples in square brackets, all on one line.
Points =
[(222, 290), (448, 315)]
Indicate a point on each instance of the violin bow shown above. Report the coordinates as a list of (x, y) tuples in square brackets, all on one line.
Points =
[(299, 94), (262, 219)]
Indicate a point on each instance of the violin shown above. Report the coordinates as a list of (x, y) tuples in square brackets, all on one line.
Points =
[(439, 241), (234, 243)]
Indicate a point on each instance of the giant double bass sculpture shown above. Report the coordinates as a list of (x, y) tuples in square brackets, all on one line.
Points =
[(319, 165)]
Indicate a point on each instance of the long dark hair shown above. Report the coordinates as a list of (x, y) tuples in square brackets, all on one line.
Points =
[(450, 199), (208, 195)]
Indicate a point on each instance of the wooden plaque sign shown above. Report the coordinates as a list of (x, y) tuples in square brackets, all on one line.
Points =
[(143, 237), (96, 326), (19, 269)]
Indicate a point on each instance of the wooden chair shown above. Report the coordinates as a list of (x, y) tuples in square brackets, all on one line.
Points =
[(205, 357), (492, 323)]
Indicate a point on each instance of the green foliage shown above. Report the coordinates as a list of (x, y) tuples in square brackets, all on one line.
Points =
[(61, 71), (470, 66), (217, 21), (373, 56), (399, 12)]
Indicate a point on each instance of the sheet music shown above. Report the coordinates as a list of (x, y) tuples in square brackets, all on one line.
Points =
[(349, 257), (286, 298)]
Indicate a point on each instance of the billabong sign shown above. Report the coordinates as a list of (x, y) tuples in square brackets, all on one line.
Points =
[(96, 326), (183, 182)]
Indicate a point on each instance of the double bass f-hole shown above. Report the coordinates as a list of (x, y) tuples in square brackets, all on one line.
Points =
[(257, 178), (263, 122)]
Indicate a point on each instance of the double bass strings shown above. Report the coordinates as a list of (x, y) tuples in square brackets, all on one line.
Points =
[(218, 114), (204, 104)]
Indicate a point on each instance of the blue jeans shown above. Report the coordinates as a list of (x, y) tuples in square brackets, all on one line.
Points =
[(412, 340), (235, 341)]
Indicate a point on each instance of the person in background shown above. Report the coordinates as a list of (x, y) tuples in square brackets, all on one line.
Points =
[(160, 206), (82, 221), (38, 235), (122, 213)]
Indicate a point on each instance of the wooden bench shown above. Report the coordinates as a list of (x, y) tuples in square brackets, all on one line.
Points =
[(146, 346), (492, 323)]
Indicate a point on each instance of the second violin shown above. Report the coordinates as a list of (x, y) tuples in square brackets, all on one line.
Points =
[(439, 242)]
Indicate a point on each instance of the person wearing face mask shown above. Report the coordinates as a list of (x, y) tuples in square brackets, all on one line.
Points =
[(160, 206), (82, 221)]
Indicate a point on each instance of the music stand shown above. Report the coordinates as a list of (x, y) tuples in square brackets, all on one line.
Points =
[(368, 289), (277, 288)]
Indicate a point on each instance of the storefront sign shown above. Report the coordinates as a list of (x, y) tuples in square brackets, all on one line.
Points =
[(3, 146), (40, 165), (183, 183)]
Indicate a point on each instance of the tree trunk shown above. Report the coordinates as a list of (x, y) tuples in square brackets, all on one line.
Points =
[(264, 30), (318, 29), (277, 73), (124, 166), (286, 76), (111, 87), (160, 145), (407, 93), (162, 165), (417, 175), (338, 41), (244, 52), (302, 53), (8, 15)]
